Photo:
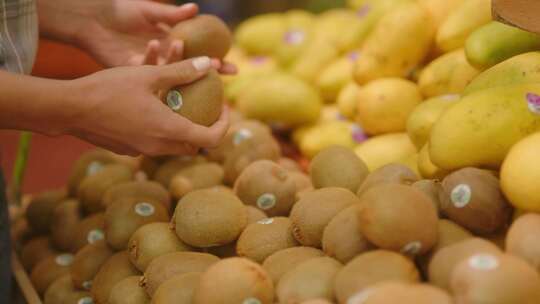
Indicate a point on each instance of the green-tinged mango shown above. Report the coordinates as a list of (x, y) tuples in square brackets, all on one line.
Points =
[(347, 100), (480, 129), (385, 149), (427, 168), (260, 35), (340, 133), (336, 75)]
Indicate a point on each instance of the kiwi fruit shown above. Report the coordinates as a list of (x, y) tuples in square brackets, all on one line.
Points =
[(149, 165), (473, 198), (240, 158), (88, 231), (445, 259), (371, 268), (179, 289), (430, 188), (167, 170), (93, 187), (126, 215), (209, 217), (36, 250), (285, 260), (153, 240), (315, 210), (254, 214), (338, 166), (223, 251), (267, 186), (115, 269), (89, 163), (391, 173), (265, 237), (128, 291), (403, 293), (495, 279), (342, 239), (398, 217), (317, 301), (168, 265), (62, 291), (66, 216), (203, 35), (301, 180), (141, 189), (21, 232), (87, 263), (234, 280), (311, 279), (289, 164), (195, 177), (50, 269), (40, 211), (522, 239)]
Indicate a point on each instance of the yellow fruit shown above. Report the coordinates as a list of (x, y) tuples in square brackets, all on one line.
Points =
[(385, 104), (423, 117), (411, 161), (426, 167), (462, 21), (335, 76), (317, 55), (385, 149), (390, 50), (243, 80), (260, 35), (356, 4), (520, 174), (482, 127), (296, 38), (282, 100), (340, 133), (439, 10), (448, 74), (347, 100)]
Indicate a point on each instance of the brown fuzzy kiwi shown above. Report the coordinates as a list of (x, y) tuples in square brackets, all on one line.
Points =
[(89, 163), (285, 260), (338, 166), (125, 215), (21, 232), (315, 210), (495, 279), (167, 170), (168, 265), (140, 189), (392, 173), (62, 291), (149, 165), (342, 239), (522, 239), (431, 188), (195, 177), (224, 251), (312, 279), (128, 291), (289, 164), (209, 217), (370, 268), (151, 241), (267, 186), (89, 231), (65, 218), (234, 280), (93, 187), (265, 237), (40, 211), (50, 269), (179, 289), (473, 198), (203, 35), (498, 238), (445, 260), (301, 180), (317, 301), (36, 250), (115, 269), (254, 214), (403, 293), (87, 263), (240, 158), (398, 217)]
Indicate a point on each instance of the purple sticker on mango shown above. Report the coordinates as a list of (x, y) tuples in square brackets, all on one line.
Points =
[(363, 11), (358, 134), (257, 60), (533, 101), (353, 56), (294, 37)]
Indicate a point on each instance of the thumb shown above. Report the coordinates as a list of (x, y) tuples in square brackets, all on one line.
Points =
[(184, 72), (167, 13)]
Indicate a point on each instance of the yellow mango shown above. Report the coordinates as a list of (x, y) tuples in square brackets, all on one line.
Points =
[(249, 69), (427, 168), (316, 56), (347, 100), (439, 10), (341, 133), (411, 162), (261, 34), (385, 149), (356, 4), (296, 38), (335, 76)]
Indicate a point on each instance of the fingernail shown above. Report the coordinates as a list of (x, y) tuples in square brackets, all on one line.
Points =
[(188, 5), (202, 63)]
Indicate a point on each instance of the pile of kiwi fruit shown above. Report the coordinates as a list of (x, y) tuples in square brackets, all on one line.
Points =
[(243, 224)]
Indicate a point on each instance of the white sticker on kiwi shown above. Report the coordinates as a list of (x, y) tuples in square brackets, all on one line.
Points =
[(64, 259), (533, 102), (266, 201), (93, 168), (175, 100), (265, 221), (87, 285), (294, 37), (412, 248), (483, 262), (144, 209), (359, 298), (251, 301), (86, 300), (461, 195), (95, 235), (241, 135)]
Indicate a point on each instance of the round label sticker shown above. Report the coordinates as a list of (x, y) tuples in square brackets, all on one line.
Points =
[(413, 248), (353, 56), (85, 300), (483, 262), (358, 133), (258, 60), (64, 259), (533, 102), (363, 10), (294, 37), (266, 201), (174, 100), (461, 195), (87, 285), (359, 298), (251, 301), (241, 135), (95, 235), (93, 168), (265, 221), (144, 209)]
